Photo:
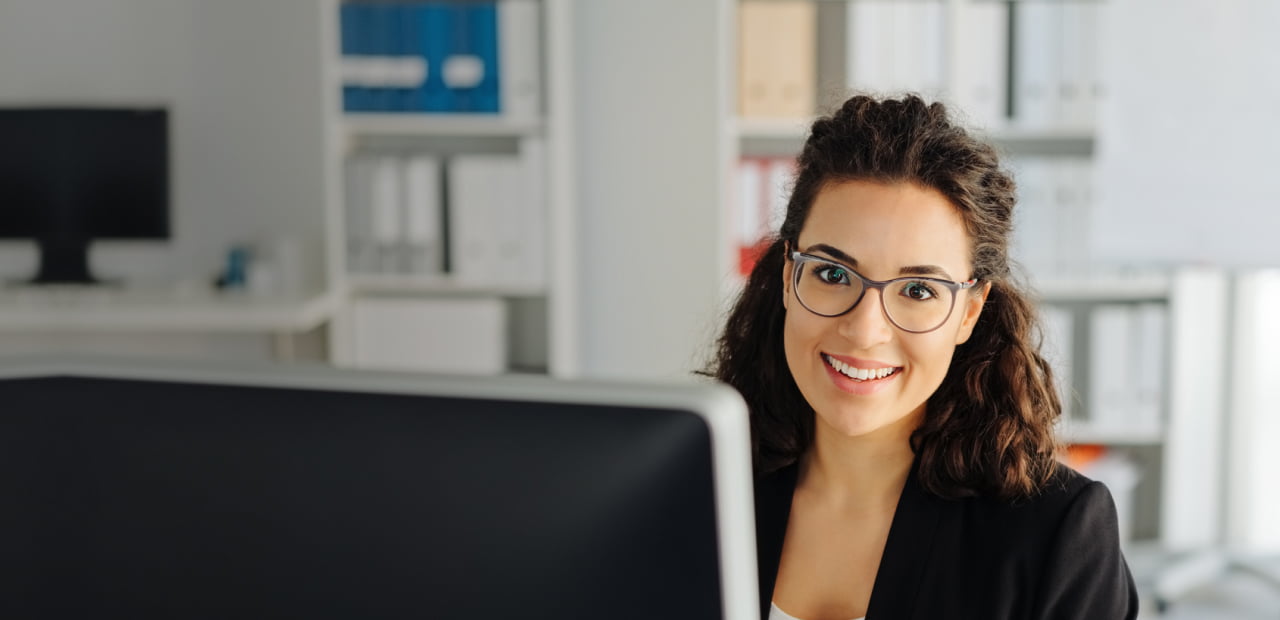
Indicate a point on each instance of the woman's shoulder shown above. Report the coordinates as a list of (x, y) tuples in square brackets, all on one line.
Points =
[(1066, 491), (1065, 486)]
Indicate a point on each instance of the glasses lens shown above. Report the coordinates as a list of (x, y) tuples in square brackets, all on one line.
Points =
[(915, 305), (827, 288), (918, 305)]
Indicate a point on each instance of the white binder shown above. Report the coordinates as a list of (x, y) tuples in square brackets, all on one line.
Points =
[(1037, 68), (423, 244), (980, 88), (519, 59), (497, 218)]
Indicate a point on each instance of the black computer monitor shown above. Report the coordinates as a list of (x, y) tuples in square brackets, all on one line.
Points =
[(69, 176), (164, 492)]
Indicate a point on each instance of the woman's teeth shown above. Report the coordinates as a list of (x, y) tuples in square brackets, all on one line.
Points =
[(859, 374)]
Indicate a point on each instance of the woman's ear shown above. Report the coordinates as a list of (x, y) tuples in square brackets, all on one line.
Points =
[(973, 305)]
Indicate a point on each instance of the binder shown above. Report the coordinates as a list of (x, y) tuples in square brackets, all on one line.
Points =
[(522, 231), (1112, 372), (980, 87), (1151, 348), (379, 70), (870, 62), (360, 248), (1079, 64), (897, 47), (1035, 216), (519, 76), (484, 28), (412, 67), (918, 47), (435, 23), (748, 217), (1073, 179), (781, 176), (424, 242), (463, 67), (472, 194), (385, 35), (351, 46), (933, 49), (1037, 68), (1058, 348), (497, 222), (778, 58), (387, 212), (1094, 24)]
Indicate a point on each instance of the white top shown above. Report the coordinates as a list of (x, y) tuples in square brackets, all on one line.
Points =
[(778, 614)]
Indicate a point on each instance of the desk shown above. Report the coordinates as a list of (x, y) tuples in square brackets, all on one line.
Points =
[(88, 310)]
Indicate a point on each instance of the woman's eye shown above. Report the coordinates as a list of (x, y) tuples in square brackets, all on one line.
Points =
[(832, 275), (918, 291)]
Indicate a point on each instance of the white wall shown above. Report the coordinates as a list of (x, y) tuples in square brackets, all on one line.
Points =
[(242, 80), (1190, 134), (650, 175)]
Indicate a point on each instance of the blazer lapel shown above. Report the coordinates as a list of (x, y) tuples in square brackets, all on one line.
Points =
[(906, 553), (773, 494)]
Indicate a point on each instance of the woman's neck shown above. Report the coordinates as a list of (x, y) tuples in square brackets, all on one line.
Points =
[(859, 473)]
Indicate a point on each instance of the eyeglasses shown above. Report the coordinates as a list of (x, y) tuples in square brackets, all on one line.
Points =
[(913, 304)]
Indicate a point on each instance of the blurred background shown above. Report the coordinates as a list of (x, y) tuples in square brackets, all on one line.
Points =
[(576, 187)]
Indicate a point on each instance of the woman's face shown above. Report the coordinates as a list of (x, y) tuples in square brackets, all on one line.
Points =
[(883, 232)]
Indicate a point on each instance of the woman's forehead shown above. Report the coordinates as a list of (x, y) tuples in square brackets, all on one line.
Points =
[(888, 225)]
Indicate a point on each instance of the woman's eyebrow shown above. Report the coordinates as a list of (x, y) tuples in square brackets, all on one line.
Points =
[(925, 270), (833, 252), (910, 270)]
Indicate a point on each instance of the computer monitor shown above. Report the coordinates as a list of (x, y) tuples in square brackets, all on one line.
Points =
[(173, 492), (69, 176)]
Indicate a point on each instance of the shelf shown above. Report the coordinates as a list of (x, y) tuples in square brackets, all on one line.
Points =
[(1055, 142), (770, 137), (399, 284), (772, 128), (428, 125), (1114, 288), (159, 311), (776, 137), (1083, 432)]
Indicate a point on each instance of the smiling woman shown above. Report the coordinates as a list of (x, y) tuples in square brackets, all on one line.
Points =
[(902, 415)]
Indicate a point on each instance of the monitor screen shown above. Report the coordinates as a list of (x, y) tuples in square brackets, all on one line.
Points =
[(148, 493), (72, 175)]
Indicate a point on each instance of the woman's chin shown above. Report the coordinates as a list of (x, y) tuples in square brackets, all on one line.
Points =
[(865, 424)]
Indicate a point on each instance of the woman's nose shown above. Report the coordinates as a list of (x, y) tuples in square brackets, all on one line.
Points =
[(866, 325)]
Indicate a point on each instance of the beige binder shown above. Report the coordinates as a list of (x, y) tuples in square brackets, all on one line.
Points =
[(777, 46)]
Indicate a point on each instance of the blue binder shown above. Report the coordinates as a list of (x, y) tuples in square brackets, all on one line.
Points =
[(434, 30), (410, 99), (353, 28), (484, 23), (385, 34)]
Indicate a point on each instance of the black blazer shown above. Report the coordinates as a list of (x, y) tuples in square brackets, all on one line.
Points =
[(1055, 556)]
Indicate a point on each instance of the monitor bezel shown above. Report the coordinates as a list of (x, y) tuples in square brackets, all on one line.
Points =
[(721, 407)]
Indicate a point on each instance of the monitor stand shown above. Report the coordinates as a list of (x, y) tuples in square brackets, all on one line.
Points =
[(64, 260)]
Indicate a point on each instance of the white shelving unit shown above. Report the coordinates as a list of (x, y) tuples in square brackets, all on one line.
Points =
[(541, 325)]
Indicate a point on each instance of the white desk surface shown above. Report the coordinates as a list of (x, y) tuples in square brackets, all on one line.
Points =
[(159, 310)]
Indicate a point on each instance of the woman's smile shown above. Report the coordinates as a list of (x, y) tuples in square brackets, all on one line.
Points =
[(861, 377)]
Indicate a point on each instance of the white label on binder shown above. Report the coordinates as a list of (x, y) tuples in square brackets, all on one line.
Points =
[(462, 71)]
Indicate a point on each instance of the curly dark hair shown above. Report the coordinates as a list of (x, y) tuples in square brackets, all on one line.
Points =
[(988, 429)]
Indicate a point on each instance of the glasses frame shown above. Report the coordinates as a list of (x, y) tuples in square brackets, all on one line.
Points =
[(799, 258)]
